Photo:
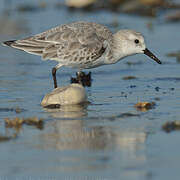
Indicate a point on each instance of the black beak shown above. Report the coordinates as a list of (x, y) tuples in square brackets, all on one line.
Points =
[(152, 56)]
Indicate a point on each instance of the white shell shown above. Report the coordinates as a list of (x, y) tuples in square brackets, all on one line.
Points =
[(68, 95)]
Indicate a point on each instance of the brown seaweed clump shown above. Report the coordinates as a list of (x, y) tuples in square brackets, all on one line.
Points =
[(129, 77), (176, 55), (18, 122), (173, 17), (4, 138), (171, 126), (144, 106)]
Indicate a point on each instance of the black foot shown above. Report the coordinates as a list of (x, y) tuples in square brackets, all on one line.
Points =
[(82, 78)]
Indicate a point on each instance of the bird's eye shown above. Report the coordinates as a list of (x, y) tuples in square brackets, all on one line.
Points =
[(136, 41)]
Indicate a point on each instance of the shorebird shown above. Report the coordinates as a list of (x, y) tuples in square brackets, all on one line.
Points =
[(83, 45)]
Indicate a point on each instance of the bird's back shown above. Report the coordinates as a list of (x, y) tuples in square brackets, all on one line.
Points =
[(79, 27), (78, 44)]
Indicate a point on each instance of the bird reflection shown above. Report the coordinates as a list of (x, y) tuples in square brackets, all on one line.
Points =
[(78, 133), (68, 111), (73, 134)]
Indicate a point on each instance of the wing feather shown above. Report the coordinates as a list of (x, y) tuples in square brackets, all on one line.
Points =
[(79, 42)]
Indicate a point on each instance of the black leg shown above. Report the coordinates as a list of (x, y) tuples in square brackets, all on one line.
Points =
[(82, 78), (54, 77)]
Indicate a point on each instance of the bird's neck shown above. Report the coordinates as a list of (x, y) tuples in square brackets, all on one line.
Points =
[(120, 48)]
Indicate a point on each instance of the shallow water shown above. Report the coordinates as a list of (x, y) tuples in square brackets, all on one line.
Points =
[(107, 139)]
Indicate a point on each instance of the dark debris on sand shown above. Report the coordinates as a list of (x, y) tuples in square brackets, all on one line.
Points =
[(144, 106), (16, 110), (176, 55), (4, 138), (82, 78), (173, 17), (18, 122), (171, 126), (129, 77)]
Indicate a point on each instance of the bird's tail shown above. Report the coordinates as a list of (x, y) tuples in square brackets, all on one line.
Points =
[(30, 46), (9, 43)]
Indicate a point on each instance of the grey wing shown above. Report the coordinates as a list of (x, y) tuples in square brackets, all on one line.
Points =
[(76, 43), (81, 47), (73, 43)]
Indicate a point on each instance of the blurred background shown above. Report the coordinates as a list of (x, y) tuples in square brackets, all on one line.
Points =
[(109, 138)]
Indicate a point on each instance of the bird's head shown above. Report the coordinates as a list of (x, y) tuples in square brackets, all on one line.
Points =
[(130, 42)]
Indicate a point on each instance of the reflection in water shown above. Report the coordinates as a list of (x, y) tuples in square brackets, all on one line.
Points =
[(107, 142), (76, 134), (72, 134), (69, 111)]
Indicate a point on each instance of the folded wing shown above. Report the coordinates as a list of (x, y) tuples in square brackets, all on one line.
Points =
[(78, 42)]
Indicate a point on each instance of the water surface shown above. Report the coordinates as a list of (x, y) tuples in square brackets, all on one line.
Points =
[(107, 139)]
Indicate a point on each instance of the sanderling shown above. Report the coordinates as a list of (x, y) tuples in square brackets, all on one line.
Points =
[(83, 45)]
